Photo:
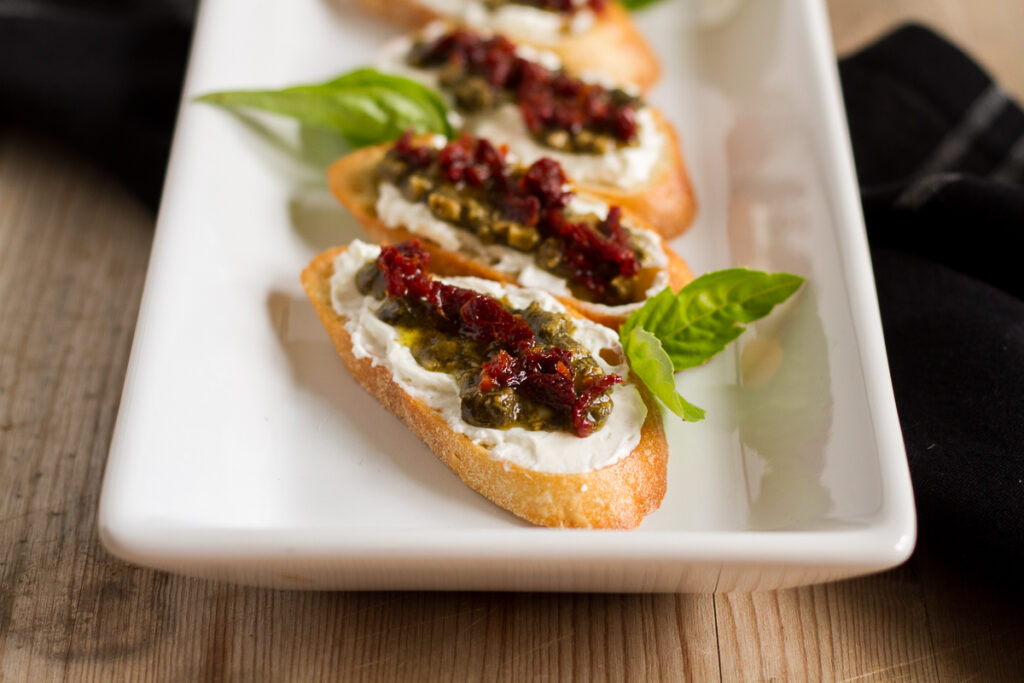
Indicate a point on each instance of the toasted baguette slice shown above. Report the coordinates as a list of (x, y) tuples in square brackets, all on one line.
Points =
[(612, 46), (617, 496), (351, 179)]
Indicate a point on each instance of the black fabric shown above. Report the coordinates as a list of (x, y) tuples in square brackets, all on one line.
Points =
[(945, 220), (956, 355), (102, 76), (908, 96), (942, 185)]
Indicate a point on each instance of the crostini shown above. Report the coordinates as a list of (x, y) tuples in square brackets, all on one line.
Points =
[(479, 213), (533, 407), (595, 35), (607, 138)]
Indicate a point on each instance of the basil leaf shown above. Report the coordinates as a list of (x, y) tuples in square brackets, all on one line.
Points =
[(365, 107), (705, 316), (648, 360), (632, 5)]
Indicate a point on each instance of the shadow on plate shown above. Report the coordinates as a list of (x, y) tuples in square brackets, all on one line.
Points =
[(368, 427), (319, 220)]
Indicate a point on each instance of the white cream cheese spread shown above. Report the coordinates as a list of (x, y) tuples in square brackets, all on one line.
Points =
[(522, 21), (555, 452)]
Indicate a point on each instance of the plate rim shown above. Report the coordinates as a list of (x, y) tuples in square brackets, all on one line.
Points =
[(886, 540)]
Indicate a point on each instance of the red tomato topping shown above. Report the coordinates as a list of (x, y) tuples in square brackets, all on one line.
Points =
[(543, 375), (563, 6)]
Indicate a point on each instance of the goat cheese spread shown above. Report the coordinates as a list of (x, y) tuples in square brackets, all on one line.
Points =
[(532, 23), (554, 452)]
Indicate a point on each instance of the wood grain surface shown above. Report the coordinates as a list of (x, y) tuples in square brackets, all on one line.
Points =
[(73, 253)]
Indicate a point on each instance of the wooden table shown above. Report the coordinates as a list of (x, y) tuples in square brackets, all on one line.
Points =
[(73, 253)]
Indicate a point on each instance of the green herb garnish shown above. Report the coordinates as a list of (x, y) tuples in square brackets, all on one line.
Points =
[(632, 5), (652, 365), (678, 331), (364, 106)]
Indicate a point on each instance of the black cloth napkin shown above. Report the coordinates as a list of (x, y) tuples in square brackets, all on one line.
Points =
[(940, 157), (102, 77)]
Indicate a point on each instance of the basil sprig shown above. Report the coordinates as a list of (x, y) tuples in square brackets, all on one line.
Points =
[(677, 331), (652, 365), (633, 5), (365, 106)]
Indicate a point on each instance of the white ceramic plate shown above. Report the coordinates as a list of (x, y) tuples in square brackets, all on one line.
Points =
[(245, 452)]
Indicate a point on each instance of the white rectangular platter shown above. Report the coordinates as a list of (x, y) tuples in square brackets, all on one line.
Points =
[(245, 452)]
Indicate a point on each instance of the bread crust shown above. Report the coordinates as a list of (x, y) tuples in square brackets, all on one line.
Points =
[(407, 12), (612, 46), (351, 179), (613, 497)]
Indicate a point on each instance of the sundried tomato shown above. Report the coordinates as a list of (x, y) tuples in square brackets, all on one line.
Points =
[(594, 258), (475, 162), (581, 420), (417, 156), (404, 266), (545, 180), (471, 314)]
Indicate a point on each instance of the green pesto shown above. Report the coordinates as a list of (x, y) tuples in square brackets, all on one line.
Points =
[(440, 351)]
